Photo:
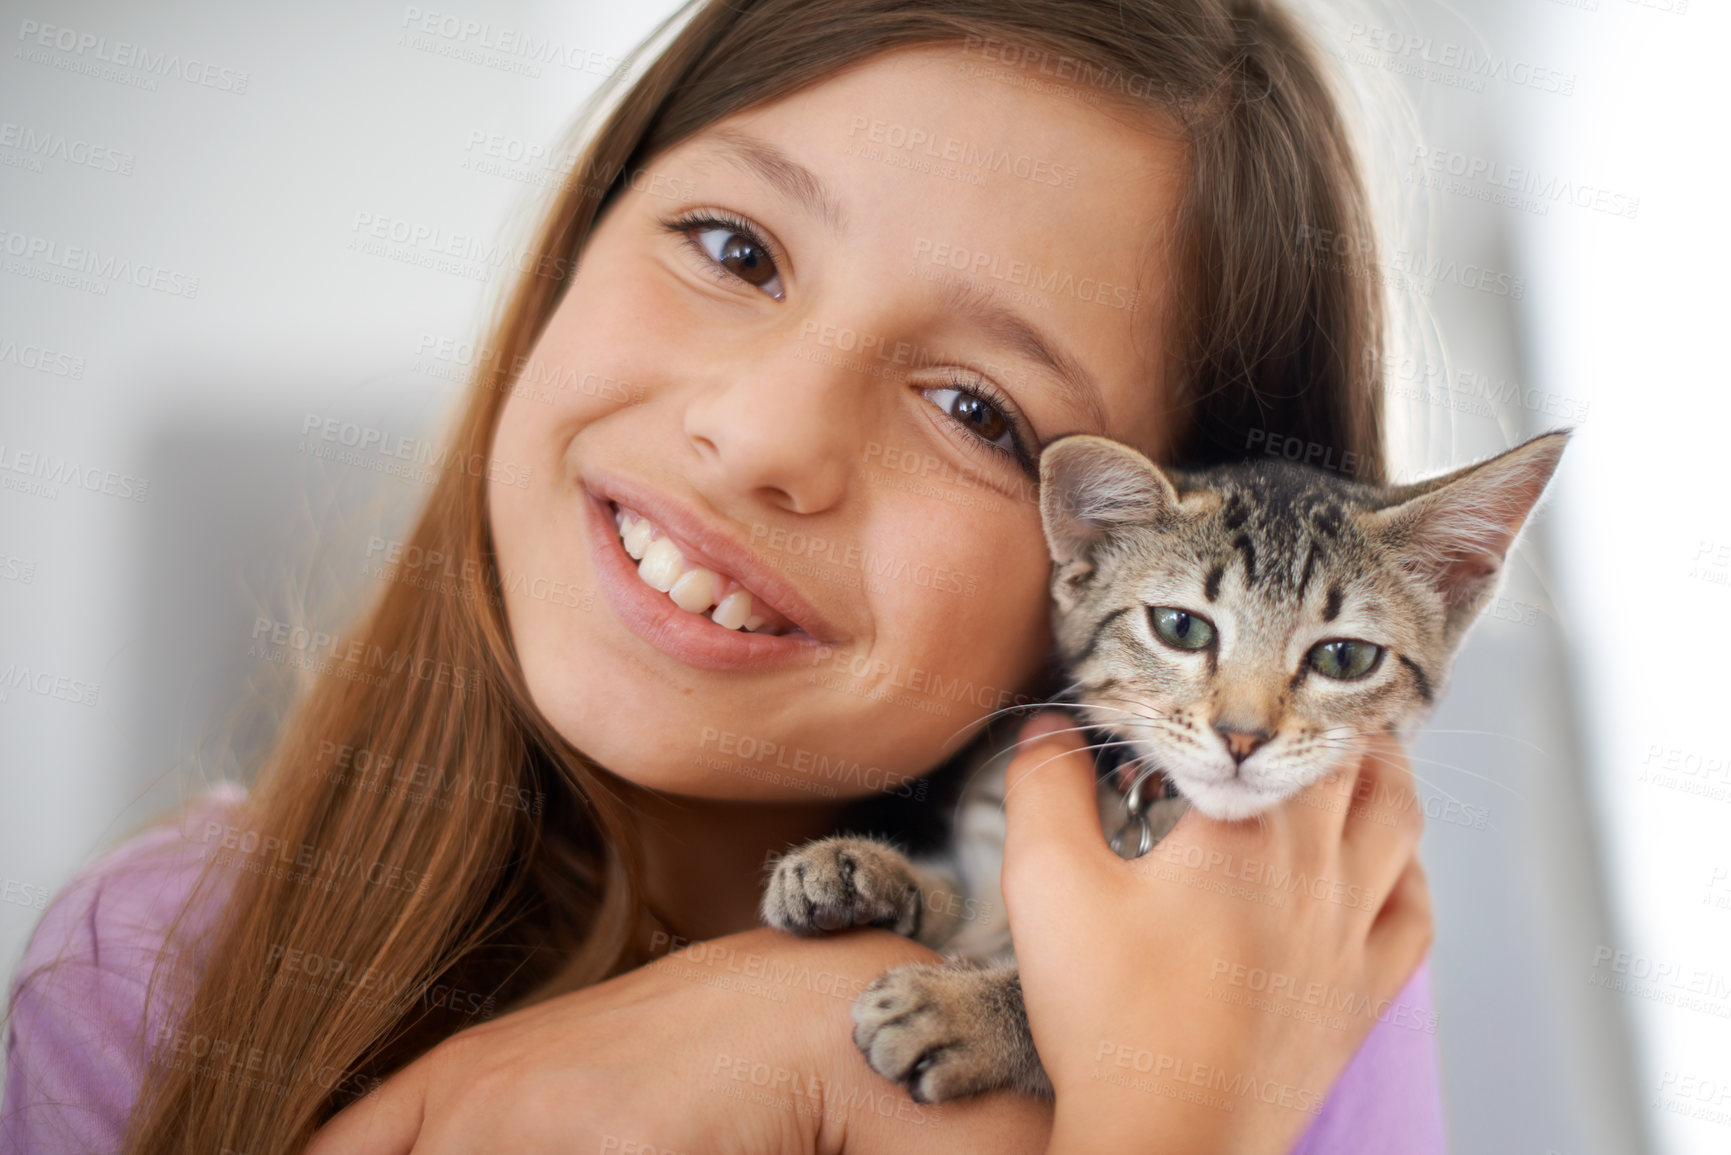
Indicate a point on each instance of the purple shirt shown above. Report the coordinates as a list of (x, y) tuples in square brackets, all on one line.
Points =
[(74, 1058)]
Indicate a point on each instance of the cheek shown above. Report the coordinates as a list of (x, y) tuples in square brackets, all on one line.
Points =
[(962, 588), (1189, 707), (595, 356), (604, 348), (526, 519), (1320, 718), (594, 359)]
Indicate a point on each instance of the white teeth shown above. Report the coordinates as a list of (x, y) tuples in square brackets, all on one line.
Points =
[(694, 589), (734, 611), (694, 592), (636, 536), (661, 565)]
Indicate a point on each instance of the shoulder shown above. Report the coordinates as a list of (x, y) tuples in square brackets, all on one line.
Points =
[(74, 1053), (115, 911)]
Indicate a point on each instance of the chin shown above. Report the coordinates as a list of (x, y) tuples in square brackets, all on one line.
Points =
[(1231, 800)]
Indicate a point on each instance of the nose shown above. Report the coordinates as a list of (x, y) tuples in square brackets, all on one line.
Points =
[(788, 437), (1241, 744)]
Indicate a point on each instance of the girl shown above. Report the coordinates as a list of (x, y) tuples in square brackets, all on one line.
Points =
[(738, 539)]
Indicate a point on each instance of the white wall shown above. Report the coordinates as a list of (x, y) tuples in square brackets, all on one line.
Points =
[(1547, 847)]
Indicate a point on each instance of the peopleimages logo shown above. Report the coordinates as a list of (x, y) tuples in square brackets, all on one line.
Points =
[(42, 360), (528, 47), (1057, 282), (420, 459), (47, 684), (938, 146), (1543, 189), (743, 749), (125, 54), (1464, 58), (91, 262), (45, 470), (44, 145)]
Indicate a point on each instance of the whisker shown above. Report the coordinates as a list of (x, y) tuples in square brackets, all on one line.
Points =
[(1087, 748), (1445, 766), (1017, 744), (1475, 733), (1053, 758), (1441, 765), (986, 720), (1144, 772), (1158, 713), (1064, 696)]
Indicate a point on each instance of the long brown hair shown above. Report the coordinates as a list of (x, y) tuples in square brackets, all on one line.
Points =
[(465, 886)]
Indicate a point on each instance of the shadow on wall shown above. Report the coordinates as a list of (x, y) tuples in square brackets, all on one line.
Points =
[(263, 540)]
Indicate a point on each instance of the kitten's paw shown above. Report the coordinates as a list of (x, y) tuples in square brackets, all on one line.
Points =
[(836, 883), (947, 1031)]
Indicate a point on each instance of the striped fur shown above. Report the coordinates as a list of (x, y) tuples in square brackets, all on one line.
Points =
[(1279, 558)]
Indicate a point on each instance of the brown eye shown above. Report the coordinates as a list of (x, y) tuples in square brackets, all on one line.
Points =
[(978, 415), (742, 255), (981, 415), (746, 261)]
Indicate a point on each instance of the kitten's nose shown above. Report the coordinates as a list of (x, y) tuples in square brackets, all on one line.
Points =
[(1241, 744)]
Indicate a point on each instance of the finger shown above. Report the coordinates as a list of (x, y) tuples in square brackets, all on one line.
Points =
[(1387, 795), (386, 1121), (1317, 814), (1401, 935), (1050, 800), (1385, 821)]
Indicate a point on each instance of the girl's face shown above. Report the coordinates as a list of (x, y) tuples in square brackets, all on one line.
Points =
[(819, 346)]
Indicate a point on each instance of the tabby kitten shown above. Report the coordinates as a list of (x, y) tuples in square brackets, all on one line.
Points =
[(1233, 629)]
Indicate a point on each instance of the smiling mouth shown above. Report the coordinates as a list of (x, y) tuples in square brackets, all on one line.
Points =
[(696, 589)]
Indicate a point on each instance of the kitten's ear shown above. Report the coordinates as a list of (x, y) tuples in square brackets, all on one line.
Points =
[(1456, 530), (1090, 488)]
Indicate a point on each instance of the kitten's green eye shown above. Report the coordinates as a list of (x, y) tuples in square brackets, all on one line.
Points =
[(1181, 629), (1345, 658)]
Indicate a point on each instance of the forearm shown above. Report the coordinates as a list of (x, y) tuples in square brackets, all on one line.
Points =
[(999, 1123), (1182, 1096), (1129, 1122)]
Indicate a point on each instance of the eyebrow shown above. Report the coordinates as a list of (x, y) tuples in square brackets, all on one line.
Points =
[(786, 175), (1078, 387)]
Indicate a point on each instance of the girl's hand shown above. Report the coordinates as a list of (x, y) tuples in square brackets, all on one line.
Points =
[(739, 1044), (1134, 972)]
